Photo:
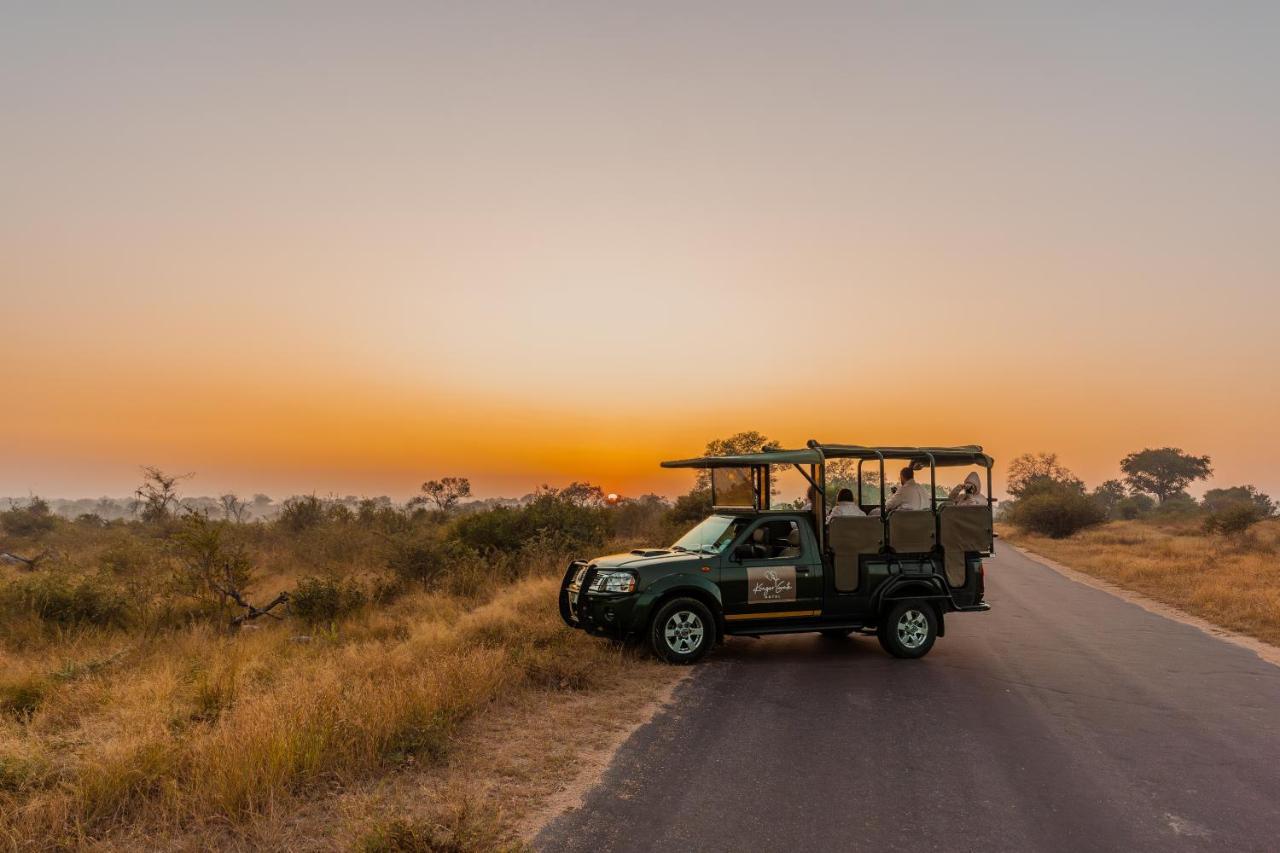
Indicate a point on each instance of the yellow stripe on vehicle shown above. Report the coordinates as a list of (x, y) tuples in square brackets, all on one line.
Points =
[(777, 614)]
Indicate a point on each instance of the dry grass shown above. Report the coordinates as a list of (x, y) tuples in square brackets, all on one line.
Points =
[(1232, 582), (287, 737)]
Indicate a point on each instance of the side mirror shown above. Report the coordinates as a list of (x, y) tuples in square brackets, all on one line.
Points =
[(744, 552)]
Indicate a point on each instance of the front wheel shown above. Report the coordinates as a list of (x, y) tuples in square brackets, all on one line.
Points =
[(908, 629), (682, 631)]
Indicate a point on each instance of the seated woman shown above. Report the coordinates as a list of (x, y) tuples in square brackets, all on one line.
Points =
[(844, 505), (969, 493)]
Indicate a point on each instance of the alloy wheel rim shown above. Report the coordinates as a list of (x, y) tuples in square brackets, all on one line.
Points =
[(913, 629), (683, 632)]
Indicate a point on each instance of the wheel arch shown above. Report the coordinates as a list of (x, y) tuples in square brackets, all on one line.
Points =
[(707, 593), (927, 589)]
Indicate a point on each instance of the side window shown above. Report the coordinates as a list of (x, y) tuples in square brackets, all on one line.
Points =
[(776, 540)]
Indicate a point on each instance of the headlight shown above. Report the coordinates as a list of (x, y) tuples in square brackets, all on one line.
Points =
[(613, 582)]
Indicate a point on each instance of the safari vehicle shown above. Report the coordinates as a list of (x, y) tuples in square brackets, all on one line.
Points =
[(750, 570)]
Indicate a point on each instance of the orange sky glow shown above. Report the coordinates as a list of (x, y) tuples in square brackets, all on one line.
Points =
[(303, 250)]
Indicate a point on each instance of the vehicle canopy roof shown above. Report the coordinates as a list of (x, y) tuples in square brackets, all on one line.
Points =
[(816, 453)]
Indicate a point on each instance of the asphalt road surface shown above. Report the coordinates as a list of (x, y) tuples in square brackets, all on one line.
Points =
[(1064, 719)]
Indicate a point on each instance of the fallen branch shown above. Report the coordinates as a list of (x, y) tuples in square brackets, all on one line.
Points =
[(29, 562), (252, 612)]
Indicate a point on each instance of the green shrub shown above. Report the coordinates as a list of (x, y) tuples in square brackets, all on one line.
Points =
[(319, 600), (423, 560), (1135, 506), (508, 529), (301, 513), (57, 599), (28, 520), (1233, 519), (1055, 512), (1178, 505), (1217, 499)]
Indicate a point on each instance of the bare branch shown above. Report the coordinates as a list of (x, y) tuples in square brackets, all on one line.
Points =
[(29, 563)]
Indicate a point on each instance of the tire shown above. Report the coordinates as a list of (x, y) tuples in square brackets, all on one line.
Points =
[(836, 633), (908, 629), (682, 631)]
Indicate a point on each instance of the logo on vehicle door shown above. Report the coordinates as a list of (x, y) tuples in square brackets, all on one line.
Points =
[(771, 584)]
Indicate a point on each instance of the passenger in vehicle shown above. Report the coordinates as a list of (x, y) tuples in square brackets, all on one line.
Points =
[(969, 493), (844, 505), (791, 549), (910, 496)]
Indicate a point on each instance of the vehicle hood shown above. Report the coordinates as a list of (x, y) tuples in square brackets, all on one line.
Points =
[(646, 558)]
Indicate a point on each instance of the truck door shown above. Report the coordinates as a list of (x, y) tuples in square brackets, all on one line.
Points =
[(772, 572)]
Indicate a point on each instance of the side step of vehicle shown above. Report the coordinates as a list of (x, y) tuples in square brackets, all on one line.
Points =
[(799, 629)]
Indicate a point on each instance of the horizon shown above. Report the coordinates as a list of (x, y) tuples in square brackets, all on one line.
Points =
[(314, 250)]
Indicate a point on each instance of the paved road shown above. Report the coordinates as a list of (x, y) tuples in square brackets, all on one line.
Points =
[(1064, 719)]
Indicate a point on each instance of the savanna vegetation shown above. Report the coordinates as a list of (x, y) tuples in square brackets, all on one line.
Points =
[(187, 677), (1216, 557)]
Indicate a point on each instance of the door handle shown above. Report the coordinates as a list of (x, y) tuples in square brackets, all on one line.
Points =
[(802, 570)]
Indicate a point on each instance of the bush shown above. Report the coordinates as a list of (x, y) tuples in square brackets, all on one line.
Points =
[(29, 520), (54, 598), (1135, 506), (1180, 505), (691, 508), (1233, 519), (1055, 512), (423, 560), (1217, 499), (641, 518), (509, 528), (301, 513), (319, 600)]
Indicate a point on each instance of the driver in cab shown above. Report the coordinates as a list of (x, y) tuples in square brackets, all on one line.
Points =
[(910, 496)]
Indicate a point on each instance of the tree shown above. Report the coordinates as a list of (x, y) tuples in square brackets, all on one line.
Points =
[(1218, 499), (583, 494), (1031, 471), (446, 492), (1163, 471), (742, 442), (157, 497), (1109, 496), (233, 509)]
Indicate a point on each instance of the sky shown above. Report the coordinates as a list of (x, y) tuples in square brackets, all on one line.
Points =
[(344, 248)]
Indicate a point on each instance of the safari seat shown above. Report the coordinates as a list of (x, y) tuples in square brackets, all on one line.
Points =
[(792, 547), (911, 531), (851, 536), (964, 529)]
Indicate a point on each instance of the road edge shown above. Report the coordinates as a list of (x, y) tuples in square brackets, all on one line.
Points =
[(592, 765), (1264, 650)]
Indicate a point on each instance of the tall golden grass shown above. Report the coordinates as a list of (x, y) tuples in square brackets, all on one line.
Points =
[(1231, 581), (108, 732)]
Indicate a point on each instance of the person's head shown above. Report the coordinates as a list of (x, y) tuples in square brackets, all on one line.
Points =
[(906, 475), (973, 483), (844, 496)]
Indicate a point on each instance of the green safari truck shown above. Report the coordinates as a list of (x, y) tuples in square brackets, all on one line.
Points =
[(750, 570)]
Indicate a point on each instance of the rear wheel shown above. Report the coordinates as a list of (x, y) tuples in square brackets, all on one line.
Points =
[(909, 629), (682, 631)]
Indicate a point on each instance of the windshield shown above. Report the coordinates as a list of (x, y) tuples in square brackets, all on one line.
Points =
[(711, 536)]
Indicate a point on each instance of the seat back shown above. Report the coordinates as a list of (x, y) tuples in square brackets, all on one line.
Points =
[(852, 536), (792, 548), (964, 529), (911, 531)]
